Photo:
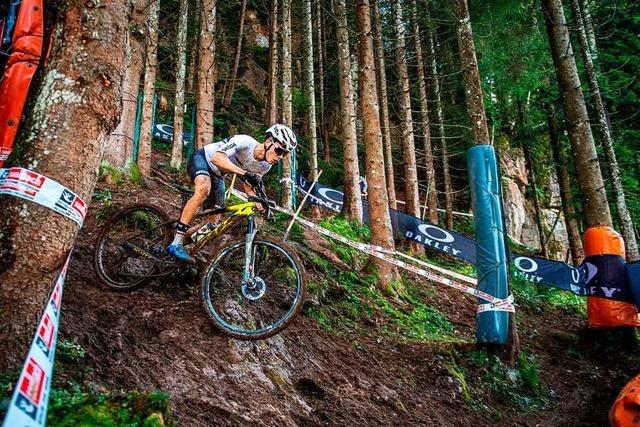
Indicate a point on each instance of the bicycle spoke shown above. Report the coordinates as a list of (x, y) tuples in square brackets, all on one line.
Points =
[(263, 304)]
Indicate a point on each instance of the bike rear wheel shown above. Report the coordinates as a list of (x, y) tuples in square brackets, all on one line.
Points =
[(130, 246), (262, 308)]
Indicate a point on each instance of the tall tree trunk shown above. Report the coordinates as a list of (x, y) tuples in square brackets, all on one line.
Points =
[(384, 105), (536, 200), (272, 101), (310, 89), (590, 31), (352, 207), (324, 130), (473, 88), (206, 73), (150, 71), (192, 42), (86, 71), (120, 146), (380, 222), (408, 145), (432, 198), (528, 158), (228, 95), (178, 106), (624, 217), (566, 194), (287, 101), (444, 149), (596, 208)]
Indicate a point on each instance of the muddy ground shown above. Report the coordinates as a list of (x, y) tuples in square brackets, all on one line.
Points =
[(160, 338)]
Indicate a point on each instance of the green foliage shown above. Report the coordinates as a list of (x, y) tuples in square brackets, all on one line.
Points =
[(133, 172), (106, 198), (347, 297), (537, 298), (77, 407), (110, 174), (520, 386)]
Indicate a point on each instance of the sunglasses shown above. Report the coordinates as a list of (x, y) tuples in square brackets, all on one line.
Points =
[(280, 151)]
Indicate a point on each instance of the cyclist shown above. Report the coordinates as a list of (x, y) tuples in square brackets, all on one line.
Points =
[(240, 154)]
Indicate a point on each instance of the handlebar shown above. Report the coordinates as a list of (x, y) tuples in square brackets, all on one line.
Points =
[(261, 197)]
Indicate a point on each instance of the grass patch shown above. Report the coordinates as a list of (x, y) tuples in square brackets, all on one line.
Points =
[(539, 298), (110, 174), (521, 386)]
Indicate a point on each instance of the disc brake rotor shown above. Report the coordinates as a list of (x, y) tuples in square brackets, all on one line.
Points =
[(254, 289)]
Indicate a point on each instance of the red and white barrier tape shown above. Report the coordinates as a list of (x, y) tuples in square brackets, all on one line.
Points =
[(32, 186), (30, 398), (493, 303)]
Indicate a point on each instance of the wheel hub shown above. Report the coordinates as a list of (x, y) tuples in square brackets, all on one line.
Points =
[(254, 289)]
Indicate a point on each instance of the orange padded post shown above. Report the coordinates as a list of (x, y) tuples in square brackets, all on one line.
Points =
[(625, 411), (605, 313)]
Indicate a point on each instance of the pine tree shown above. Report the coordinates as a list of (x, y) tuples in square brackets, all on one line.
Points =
[(380, 221), (150, 71), (206, 73), (596, 207), (91, 85), (178, 106), (352, 207)]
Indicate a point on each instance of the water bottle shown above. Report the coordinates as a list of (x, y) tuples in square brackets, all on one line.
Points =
[(203, 231)]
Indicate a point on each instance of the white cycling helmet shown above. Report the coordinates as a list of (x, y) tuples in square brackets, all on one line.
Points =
[(284, 136)]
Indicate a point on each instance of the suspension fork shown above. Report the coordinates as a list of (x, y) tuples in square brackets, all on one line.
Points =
[(247, 273)]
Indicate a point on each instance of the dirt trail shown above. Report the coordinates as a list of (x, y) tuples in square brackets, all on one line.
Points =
[(159, 338)]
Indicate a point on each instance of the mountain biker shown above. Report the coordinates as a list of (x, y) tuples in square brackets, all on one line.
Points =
[(241, 155)]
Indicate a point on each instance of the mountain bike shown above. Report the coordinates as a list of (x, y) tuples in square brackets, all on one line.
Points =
[(252, 287)]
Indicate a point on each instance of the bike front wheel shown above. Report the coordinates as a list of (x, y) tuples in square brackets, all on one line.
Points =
[(262, 306)]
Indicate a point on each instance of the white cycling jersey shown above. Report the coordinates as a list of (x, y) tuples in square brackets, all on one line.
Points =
[(239, 149)]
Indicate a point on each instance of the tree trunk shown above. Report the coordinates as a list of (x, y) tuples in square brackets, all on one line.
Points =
[(310, 89), (272, 101), (566, 194), (596, 208), (384, 106), (65, 142), (473, 88), (178, 106), (412, 203), (228, 95), (324, 131), (590, 32), (536, 200), (624, 217), (352, 207), (380, 222), (432, 198), (206, 73), (150, 70), (444, 149), (287, 101), (120, 146)]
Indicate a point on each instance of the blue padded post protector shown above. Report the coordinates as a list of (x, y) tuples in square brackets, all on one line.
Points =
[(492, 261)]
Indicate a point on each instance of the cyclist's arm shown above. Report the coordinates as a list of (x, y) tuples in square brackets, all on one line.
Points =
[(222, 162)]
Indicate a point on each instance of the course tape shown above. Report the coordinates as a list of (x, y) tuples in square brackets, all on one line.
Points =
[(493, 303), (32, 186), (30, 398)]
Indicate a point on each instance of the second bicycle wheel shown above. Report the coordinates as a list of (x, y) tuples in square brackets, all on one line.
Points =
[(264, 306), (130, 245)]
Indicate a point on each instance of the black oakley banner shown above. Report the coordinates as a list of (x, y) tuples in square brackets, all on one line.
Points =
[(536, 270)]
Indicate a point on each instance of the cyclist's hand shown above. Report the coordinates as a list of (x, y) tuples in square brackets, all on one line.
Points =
[(252, 179)]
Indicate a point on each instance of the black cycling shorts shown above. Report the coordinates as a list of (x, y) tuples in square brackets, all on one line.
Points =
[(197, 166)]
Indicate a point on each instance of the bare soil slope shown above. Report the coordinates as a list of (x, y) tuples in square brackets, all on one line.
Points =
[(159, 338)]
